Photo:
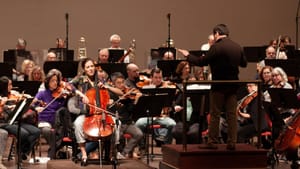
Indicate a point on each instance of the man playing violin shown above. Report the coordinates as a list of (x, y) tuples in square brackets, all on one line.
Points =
[(248, 115), (124, 105), (164, 135)]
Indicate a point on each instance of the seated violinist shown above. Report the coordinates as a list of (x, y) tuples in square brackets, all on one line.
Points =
[(248, 115), (54, 102), (125, 106), (29, 132), (165, 136)]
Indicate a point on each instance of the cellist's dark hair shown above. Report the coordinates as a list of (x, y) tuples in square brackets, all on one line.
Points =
[(83, 62), (51, 73)]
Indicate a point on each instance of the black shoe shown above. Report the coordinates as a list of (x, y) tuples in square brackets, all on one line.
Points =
[(84, 162), (208, 146), (230, 147)]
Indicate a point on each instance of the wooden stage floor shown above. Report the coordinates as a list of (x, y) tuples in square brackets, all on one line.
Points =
[(123, 164)]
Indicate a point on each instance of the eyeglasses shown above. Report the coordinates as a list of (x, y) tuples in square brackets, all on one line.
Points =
[(274, 75)]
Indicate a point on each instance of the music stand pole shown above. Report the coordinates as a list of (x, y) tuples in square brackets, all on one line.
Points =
[(184, 137), (19, 142), (297, 24)]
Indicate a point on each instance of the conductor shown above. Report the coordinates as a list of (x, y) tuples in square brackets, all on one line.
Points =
[(224, 58)]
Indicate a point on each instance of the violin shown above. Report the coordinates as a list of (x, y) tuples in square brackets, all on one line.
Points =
[(244, 102), (143, 81), (63, 90)]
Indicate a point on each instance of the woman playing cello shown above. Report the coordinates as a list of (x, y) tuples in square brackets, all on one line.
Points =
[(86, 83)]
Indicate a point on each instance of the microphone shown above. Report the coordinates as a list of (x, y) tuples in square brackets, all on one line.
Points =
[(169, 15), (67, 16)]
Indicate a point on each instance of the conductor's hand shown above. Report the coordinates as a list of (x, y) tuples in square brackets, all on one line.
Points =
[(184, 52)]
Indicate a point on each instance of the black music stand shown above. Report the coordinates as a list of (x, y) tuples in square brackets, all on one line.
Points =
[(255, 53), (110, 68), (6, 70), (163, 50), (149, 106), (281, 98), (28, 87), (290, 66), (67, 68), (198, 53), (21, 107), (168, 67), (63, 54), (115, 55), (284, 98), (14, 57)]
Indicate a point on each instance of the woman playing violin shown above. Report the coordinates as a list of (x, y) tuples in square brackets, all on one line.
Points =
[(55, 103), (29, 133)]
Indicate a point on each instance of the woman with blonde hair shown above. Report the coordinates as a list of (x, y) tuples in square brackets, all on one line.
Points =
[(36, 74)]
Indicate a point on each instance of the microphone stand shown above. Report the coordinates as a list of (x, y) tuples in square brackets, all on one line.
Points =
[(169, 31), (297, 24), (67, 34)]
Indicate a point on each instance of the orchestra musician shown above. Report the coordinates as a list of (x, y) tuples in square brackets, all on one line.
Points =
[(29, 132), (248, 115), (124, 105), (55, 99), (278, 116), (193, 118), (133, 75), (156, 81), (88, 80), (3, 139)]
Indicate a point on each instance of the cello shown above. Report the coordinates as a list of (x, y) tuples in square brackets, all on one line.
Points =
[(289, 139), (98, 124)]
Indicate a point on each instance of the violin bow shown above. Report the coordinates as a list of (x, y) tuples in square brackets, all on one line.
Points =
[(121, 97)]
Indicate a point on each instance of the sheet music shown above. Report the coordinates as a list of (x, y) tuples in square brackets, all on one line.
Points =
[(198, 87), (18, 112)]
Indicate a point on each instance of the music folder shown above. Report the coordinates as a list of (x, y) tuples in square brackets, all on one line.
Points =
[(168, 67), (284, 98), (115, 55), (290, 66), (110, 68), (67, 68), (21, 107)]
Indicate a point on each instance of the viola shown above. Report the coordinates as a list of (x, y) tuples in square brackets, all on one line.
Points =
[(244, 102), (143, 80), (99, 123)]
